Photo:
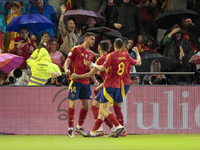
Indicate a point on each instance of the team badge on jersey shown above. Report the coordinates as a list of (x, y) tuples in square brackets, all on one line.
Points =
[(86, 55)]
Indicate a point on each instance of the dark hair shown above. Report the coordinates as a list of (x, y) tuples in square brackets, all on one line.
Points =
[(125, 41), (23, 27), (88, 34), (15, 5), (104, 45), (45, 32), (118, 43)]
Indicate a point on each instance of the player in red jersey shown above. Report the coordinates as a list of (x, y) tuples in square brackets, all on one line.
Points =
[(116, 64), (102, 49), (80, 88)]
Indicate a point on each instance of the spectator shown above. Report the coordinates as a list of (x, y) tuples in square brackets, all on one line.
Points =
[(147, 10), (44, 39), (26, 7), (154, 79), (179, 51), (67, 31), (3, 77), (22, 46), (94, 5), (126, 19), (90, 23), (129, 48), (41, 67), (135, 79), (2, 8), (2, 31), (191, 33), (56, 56), (16, 10), (43, 8)]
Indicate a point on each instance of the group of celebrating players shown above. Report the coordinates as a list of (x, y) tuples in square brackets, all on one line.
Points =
[(114, 69)]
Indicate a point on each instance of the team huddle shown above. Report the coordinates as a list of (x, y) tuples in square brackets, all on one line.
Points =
[(114, 69)]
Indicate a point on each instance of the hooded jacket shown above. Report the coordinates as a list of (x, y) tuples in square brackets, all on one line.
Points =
[(48, 12), (41, 67)]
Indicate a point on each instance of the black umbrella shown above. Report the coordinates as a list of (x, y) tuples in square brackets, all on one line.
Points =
[(147, 60), (101, 32), (169, 18)]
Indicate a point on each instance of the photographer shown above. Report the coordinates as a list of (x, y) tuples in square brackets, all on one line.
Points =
[(22, 46)]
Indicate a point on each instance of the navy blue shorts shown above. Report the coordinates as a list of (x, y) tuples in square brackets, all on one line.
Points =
[(123, 91), (98, 97), (110, 95), (79, 91)]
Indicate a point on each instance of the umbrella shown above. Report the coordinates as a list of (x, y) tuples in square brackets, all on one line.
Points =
[(81, 16), (8, 62), (147, 60), (34, 23), (169, 18), (99, 33), (12, 0), (195, 59)]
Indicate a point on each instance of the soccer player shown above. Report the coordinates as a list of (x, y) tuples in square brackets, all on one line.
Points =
[(79, 89), (103, 48), (117, 62)]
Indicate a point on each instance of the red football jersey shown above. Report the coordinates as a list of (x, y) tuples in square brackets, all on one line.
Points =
[(79, 57), (117, 62), (126, 78), (100, 61)]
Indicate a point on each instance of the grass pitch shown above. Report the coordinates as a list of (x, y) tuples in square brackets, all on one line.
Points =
[(131, 142)]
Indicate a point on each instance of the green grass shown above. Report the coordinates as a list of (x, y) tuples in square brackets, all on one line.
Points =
[(131, 142)]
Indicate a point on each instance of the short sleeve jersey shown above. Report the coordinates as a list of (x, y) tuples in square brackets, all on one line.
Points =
[(117, 62), (79, 57), (100, 61)]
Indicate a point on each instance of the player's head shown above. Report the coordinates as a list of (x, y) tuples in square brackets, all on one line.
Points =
[(125, 42), (118, 44), (89, 39), (104, 46)]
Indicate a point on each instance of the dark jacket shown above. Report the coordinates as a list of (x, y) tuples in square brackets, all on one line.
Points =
[(172, 51), (128, 15)]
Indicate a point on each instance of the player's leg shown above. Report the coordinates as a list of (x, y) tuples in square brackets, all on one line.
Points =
[(73, 95), (85, 97)]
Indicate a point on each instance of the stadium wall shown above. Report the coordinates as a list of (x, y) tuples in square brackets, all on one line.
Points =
[(146, 109)]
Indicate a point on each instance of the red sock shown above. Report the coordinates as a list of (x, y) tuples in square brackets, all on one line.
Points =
[(82, 116), (71, 113), (97, 124), (119, 114), (112, 119), (110, 125), (95, 111)]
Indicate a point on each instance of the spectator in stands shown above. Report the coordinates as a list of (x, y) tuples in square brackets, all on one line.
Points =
[(22, 46), (16, 10), (129, 48), (44, 39), (67, 31), (191, 33), (43, 8), (147, 10), (57, 57), (26, 7), (94, 5), (56, 5), (41, 67), (153, 78), (179, 50), (135, 79), (2, 31), (126, 19), (90, 23), (3, 77)]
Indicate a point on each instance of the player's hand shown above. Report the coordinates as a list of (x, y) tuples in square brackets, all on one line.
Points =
[(74, 76), (96, 83), (135, 49), (67, 72), (90, 64)]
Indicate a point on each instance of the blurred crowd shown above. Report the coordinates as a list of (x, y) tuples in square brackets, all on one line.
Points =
[(134, 19)]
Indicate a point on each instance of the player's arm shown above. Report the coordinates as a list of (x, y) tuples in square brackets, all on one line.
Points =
[(95, 54), (138, 58), (98, 67), (84, 76), (66, 66)]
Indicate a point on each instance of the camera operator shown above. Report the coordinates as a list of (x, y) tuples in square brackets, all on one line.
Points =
[(57, 79), (22, 46)]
